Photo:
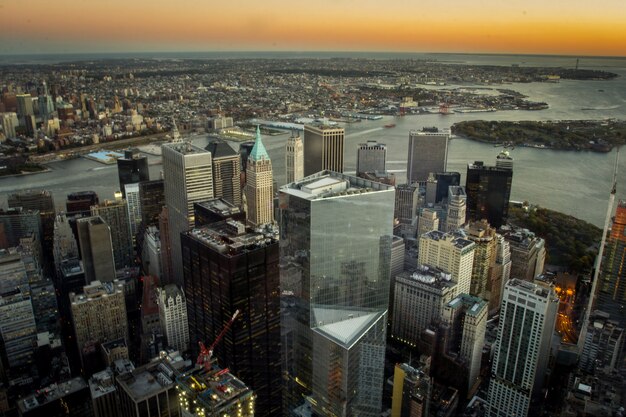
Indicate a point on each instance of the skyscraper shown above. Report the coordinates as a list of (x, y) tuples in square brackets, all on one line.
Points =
[(371, 157), (25, 105), (188, 179), (522, 348), (16, 223), (259, 185), (611, 287), (484, 238), (9, 122), (96, 249), (151, 201), (133, 205), (81, 202), (457, 208), (488, 191), (226, 172), (323, 149), (115, 214), (452, 253), (335, 247), (132, 168), (294, 158), (428, 221), (445, 180), (173, 316), (228, 267), (428, 152)]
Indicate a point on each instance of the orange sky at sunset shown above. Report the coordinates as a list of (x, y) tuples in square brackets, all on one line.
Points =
[(573, 27)]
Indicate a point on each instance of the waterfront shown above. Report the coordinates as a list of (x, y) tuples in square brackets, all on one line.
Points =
[(575, 183)]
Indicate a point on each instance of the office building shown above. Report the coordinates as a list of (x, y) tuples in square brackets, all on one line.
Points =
[(9, 122), (151, 252), (16, 223), (229, 267), (42, 201), (500, 274), (151, 201), (259, 185), (64, 243), (522, 348), (167, 273), (45, 103), (457, 208), (419, 300), (452, 253), (18, 330), (488, 192), (81, 202), (67, 398), (294, 158), (528, 253), (133, 205), (188, 179), (115, 214), (96, 249), (99, 315), (25, 105), (371, 157), (428, 152), (131, 169), (504, 160), (216, 210), (103, 394), (323, 148), (602, 347), (226, 172), (405, 208), (335, 244), (444, 181), (465, 323), (484, 238), (411, 392), (610, 294), (428, 221), (244, 152), (173, 316)]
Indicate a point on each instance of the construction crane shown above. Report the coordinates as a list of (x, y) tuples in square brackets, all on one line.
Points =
[(204, 358), (596, 274)]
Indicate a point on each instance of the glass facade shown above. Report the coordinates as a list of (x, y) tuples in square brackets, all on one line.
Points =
[(336, 233)]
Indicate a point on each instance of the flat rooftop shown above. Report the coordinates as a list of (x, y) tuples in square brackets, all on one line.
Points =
[(327, 184), (185, 148), (231, 237), (429, 276), (457, 240), (51, 393)]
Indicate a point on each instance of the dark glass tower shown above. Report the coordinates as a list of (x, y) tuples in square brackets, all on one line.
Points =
[(445, 180), (132, 168), (228, 267), (488, 192)]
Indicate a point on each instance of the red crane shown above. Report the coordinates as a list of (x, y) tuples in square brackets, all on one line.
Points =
[(204, 358)]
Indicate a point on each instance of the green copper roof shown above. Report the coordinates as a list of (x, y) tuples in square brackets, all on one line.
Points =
[(258, 151)]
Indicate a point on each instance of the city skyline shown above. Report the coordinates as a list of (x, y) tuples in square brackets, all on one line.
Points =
[(528, 27)]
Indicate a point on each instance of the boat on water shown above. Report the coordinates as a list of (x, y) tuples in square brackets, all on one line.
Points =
[(390, 125)]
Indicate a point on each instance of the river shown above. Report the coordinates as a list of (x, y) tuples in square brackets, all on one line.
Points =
[(571, 182)]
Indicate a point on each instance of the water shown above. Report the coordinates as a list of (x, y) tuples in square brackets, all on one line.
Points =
[(575, 183)]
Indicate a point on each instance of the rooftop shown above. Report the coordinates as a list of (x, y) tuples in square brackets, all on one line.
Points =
[(220, 149), (102, 383), (327, 184), (457, 239), (231, 238), (220, 206), (344, 326), (429, 276), (184, 148), (51, 393), (96, 290), (473, 304)]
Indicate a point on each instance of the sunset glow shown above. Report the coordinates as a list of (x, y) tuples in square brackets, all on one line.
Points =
[(576, 27)]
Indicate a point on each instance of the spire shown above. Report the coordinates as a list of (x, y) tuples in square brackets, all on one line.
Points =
[(258, 150)]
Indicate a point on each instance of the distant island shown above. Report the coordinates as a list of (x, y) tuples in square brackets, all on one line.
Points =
[(588, 135)]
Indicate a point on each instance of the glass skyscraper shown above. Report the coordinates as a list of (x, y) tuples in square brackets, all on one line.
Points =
[(335, 247)]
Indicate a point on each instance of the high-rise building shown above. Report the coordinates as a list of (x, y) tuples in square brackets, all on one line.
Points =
[(522, 348), (428, 152), (610, 294), (96, 249), (504, 160), (188, 179), (64, 246), (294, 158), (465, 320), (45, 103), (226, 172), (419, 300), (428, 221), (452, 253), (16, 223), (216, 210), (18, 332), (488, 192), (99, 314), (259, 185), (323, 148), (151, 201), (133, 204), (445, 180), (405, 208), (151, 252), (228, 267), (528, 253), (25, 105), (335, 245), (132, 168), (411, 392), (371, 157), (115, 214), (484, 238), (602, 347), (81, 202), (9, 122), (167, 273), (500, 274), (173, 316), (457, 208)]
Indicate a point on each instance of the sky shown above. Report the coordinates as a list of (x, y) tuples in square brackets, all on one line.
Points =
[(562, 27)]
